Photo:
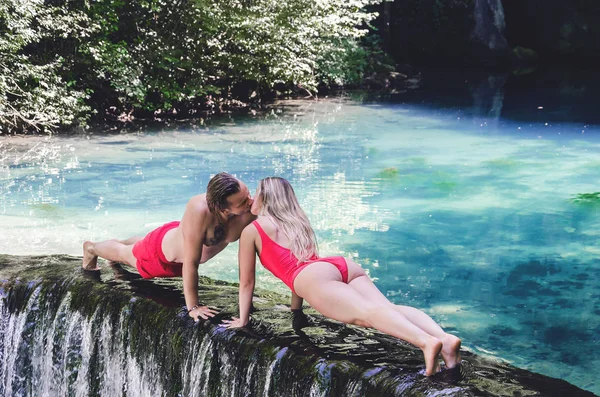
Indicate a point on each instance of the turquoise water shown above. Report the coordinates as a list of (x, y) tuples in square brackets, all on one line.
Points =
[(475, 219)]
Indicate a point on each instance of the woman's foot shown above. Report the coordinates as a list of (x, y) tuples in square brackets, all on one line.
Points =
[(431, 351), (90, 260), (451, 350)]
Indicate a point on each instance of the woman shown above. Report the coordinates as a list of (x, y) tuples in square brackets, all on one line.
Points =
[(336, 287)]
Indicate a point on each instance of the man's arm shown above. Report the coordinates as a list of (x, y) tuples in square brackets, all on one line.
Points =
[(194, 226)]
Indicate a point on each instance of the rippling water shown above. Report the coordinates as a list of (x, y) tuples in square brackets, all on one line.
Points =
[(475, 219)]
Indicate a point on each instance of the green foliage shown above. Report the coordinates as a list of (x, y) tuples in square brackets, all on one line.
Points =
[(525, 54), (78, 55), (33, 93), (388, 173), (587, 199)]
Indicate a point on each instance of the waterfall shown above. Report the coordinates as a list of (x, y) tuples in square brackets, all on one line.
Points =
[(49, 349), (63, 334), (490, 24), (488, 99), (65, 338)]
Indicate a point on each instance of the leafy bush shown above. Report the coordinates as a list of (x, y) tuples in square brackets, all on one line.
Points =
[(62, 60), (33, 93)]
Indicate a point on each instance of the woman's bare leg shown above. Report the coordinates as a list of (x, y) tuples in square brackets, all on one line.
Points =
[(321, 286), (450, 350), (365, 287), (112, 250)]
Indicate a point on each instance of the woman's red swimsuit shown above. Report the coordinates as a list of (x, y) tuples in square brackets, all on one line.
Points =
[(283, 263)]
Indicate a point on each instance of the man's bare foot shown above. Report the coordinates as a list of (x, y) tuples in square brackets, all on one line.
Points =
[(431, 351), (451, 350), (90, 261)]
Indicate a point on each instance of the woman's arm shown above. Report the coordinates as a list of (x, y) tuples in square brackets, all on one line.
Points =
[(247, 263), (296, 302)]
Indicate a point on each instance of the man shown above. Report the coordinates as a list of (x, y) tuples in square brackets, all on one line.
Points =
[(210, 222)]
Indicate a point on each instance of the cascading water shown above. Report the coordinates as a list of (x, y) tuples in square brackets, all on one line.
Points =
[(66, 333), (490, 24), (51, 348)]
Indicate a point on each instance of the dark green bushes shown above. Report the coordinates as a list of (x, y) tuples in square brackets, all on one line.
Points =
[(62, 61)]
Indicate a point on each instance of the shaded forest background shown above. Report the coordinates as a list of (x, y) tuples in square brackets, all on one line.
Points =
[(70, 63)]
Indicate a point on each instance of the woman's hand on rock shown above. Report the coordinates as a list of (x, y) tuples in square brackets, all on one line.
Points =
[(234, 323)]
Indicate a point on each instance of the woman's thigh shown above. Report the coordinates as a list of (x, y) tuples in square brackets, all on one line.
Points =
[(321, 285), (360, 281)]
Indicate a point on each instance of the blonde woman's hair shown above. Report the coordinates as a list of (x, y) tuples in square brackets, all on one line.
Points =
[(279, 202)]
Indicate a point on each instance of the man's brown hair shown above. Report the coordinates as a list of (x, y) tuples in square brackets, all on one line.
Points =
[(219, 188)]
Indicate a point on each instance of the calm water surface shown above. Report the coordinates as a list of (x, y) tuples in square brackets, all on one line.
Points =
[(469, 216)]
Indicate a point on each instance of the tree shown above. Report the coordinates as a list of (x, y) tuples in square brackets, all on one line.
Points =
[(61, 60)]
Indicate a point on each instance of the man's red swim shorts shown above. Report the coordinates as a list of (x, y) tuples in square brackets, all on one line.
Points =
[(150, 259)]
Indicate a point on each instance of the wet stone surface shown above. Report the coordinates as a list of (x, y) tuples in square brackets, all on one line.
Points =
[(160, 350)]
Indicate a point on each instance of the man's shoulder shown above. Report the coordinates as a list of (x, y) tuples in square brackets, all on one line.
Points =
[(197, 206), (198, 202)]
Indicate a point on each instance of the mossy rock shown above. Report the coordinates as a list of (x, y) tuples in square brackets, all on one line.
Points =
[(444, 182), (388, 173), (445, 186), (46, 210), (587, 199), (136, 324), (525, 54)]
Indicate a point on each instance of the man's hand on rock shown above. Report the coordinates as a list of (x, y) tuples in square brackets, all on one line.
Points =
[(204, 312)]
